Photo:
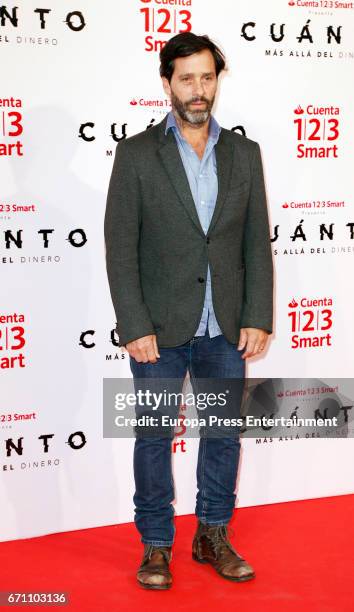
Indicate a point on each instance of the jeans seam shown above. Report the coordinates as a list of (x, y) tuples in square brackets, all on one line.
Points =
[(202, 493), (202, 439)]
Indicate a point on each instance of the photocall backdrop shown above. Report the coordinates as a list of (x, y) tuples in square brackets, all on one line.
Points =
[(76, 78)]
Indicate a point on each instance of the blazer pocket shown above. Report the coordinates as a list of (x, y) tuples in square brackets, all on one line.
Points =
[(239, 186), (239, 192), (157, 300)]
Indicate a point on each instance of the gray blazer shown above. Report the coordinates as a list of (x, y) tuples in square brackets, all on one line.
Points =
[(157, 253)]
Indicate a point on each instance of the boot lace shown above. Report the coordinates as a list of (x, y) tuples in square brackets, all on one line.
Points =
[(218, 538)]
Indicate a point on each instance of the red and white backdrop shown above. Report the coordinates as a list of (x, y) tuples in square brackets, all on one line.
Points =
[(77, 77)]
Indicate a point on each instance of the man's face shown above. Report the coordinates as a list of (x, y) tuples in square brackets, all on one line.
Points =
[(193, 87)]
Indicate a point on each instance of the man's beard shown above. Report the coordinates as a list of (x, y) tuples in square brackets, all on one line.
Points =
[(195, 117)]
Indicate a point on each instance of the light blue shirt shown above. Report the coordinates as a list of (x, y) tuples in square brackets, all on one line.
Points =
[(203, 182)]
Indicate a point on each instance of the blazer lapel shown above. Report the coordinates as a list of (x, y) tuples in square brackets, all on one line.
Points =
[(224, 152), (172, 161), (173, 164)]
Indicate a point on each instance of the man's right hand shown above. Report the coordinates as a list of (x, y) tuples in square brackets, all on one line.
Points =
[(144, 349)]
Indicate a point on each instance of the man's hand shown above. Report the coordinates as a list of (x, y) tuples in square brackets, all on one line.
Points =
[(144, 349), (254, 339)]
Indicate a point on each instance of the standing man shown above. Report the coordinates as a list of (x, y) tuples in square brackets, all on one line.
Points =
[(191, 278)]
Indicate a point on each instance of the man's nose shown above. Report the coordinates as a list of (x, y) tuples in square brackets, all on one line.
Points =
[(198, 89)]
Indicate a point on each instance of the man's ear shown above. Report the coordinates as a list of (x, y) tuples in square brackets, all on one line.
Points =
[(166, 86)]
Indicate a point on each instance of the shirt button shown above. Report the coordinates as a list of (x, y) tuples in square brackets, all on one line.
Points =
[(202, 201)]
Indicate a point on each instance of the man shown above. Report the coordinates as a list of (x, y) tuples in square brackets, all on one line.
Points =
[(191, 278)]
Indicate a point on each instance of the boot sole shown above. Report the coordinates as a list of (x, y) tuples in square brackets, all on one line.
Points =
[(155, 587), (231, 578)]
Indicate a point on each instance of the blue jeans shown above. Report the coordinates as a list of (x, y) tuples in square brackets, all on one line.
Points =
[(218, 458)]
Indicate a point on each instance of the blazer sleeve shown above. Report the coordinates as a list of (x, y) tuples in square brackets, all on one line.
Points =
[(121, 231), (257, 308)]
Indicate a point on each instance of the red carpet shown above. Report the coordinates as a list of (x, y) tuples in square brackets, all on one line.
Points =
[(302, 553)]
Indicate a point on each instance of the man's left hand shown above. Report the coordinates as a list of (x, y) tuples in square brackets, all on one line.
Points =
[(253, 339)]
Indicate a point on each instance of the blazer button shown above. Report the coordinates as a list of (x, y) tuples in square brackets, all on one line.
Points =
[(207, 240), (201, 279)]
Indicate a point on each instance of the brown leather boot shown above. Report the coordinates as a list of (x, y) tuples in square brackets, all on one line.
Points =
[(153, 572), (212, 545)]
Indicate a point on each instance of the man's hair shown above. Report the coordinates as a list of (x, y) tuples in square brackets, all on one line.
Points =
[(185, 44)]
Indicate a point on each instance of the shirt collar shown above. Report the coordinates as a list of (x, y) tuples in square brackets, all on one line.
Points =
[(214, 127)]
